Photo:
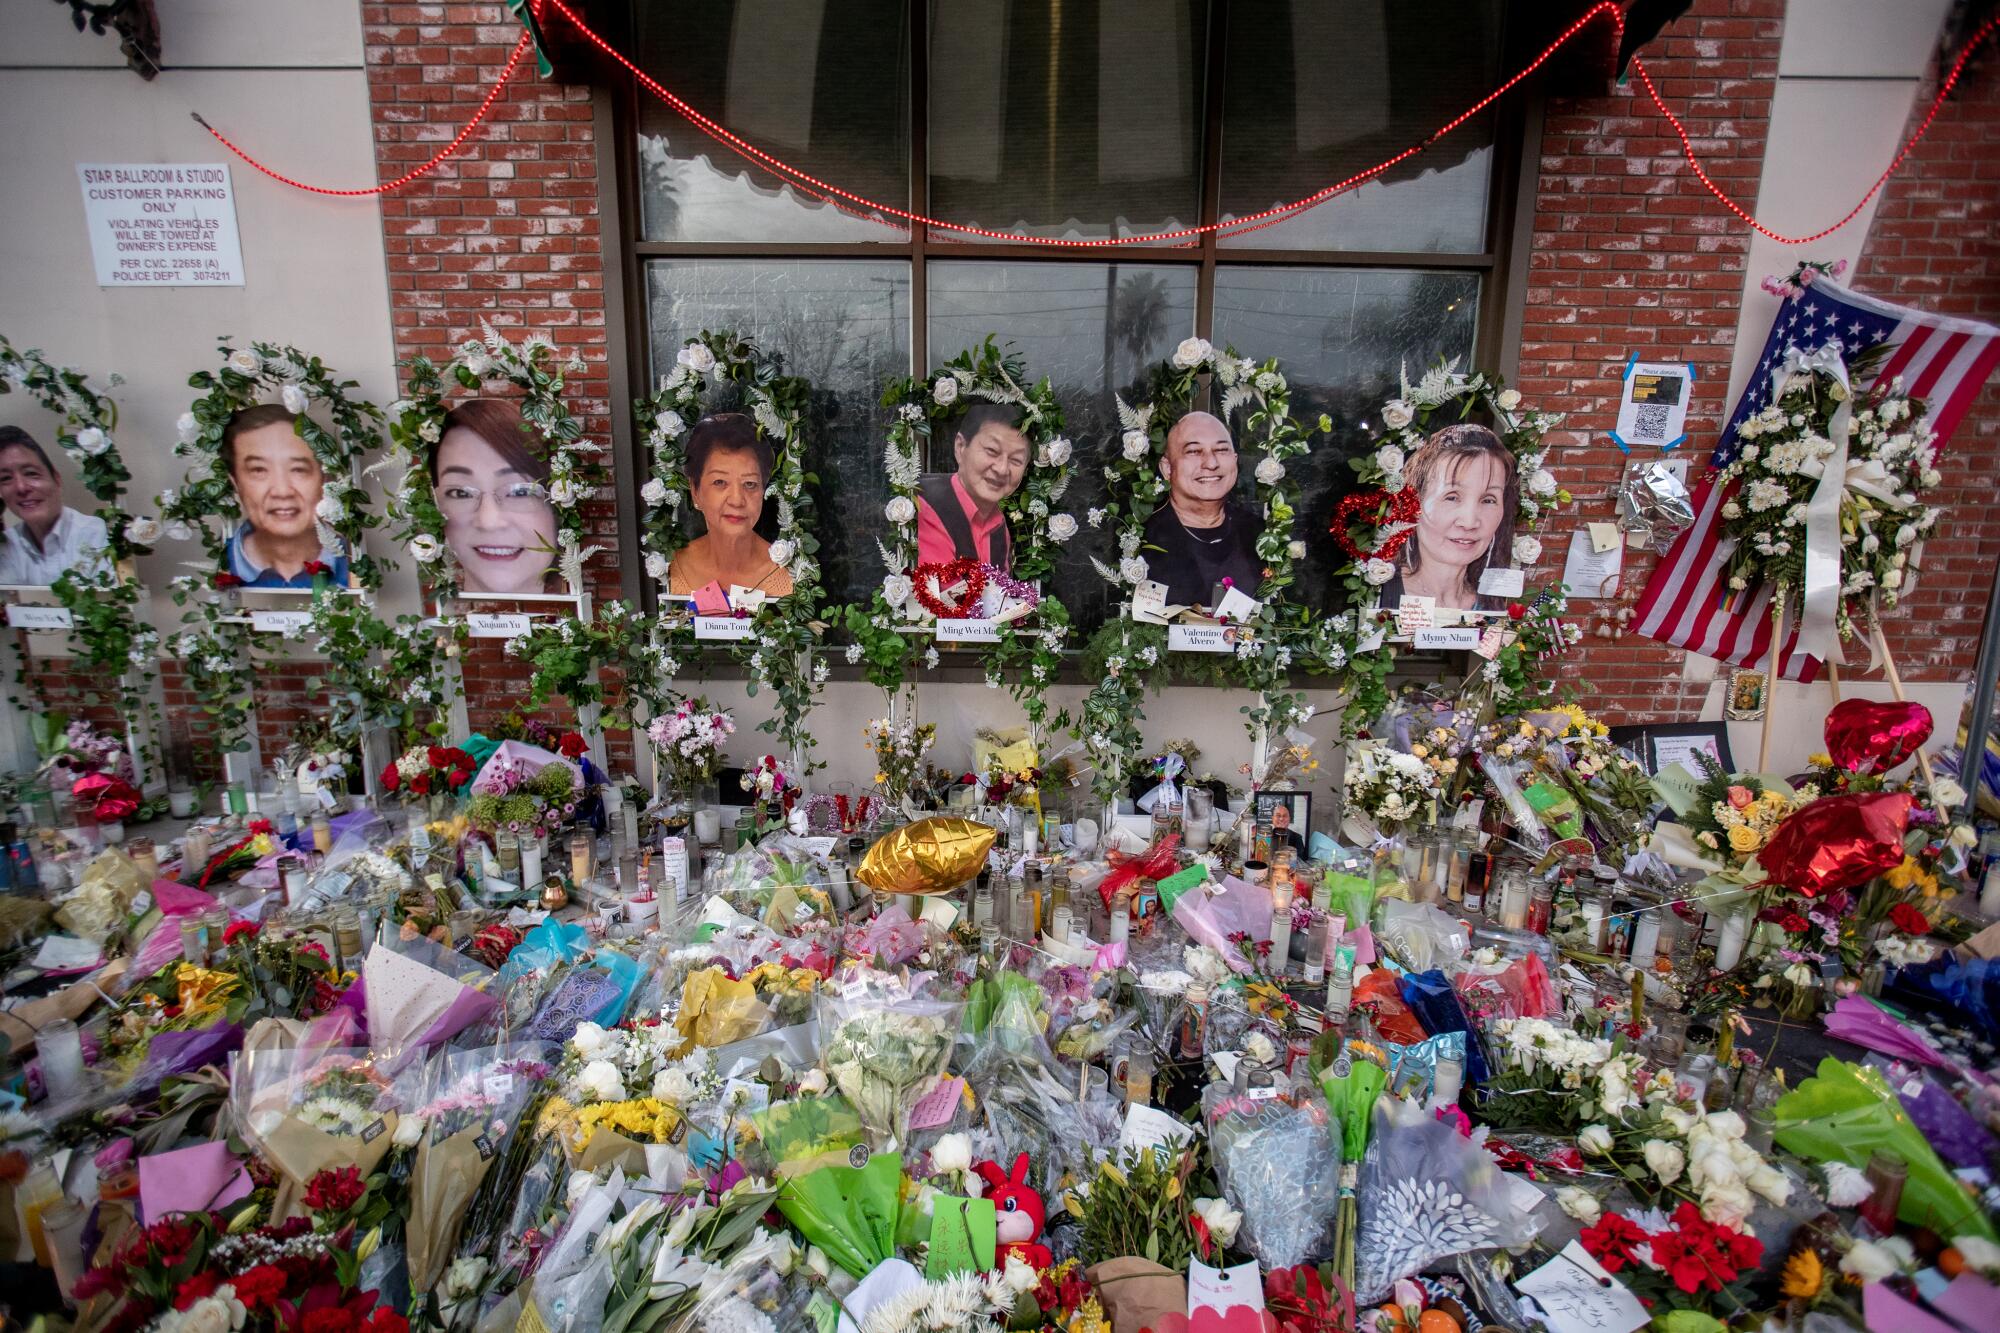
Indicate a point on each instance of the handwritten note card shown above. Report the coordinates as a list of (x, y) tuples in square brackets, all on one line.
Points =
[(1578, 1296)]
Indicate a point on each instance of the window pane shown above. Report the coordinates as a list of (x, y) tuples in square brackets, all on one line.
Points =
[(1342, 335), (820, 84), (1316, 92), (1093, 330), (1071, 118), (844, 325)]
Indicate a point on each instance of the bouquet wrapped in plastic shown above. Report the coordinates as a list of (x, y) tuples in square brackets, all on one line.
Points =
[(310, 1110), (884, 1045), (420, 995), (469, 1116), (1279, 1165), (850, 1212)]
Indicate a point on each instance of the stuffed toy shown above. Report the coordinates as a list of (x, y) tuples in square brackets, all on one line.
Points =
[(1018, 1214)]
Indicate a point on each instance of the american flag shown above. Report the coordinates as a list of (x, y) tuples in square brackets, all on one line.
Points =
[(1943, 361)]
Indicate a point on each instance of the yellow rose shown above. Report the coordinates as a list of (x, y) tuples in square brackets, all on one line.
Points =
[(1743, 838), (1821, 760)]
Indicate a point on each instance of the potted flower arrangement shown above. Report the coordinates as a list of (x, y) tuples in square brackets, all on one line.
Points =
[(689, 742)]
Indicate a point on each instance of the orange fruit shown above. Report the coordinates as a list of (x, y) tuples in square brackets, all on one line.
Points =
[(1950, 1262), (1436, 1321)]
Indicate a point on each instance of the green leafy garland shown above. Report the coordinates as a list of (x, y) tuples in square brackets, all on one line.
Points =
[(1027, 655), (301, 383), (1130, 658), (382, 674), (417, 422), (102, 602), (214, 649), (563, 652), (783, 651)]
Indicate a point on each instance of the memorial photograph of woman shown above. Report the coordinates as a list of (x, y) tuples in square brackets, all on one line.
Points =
[(728, 470), (491, 485), (1469, 487), (959, 514), (46, 538)]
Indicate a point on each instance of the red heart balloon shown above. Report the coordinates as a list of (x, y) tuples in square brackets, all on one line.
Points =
[(1838, 842), (1873, 736)]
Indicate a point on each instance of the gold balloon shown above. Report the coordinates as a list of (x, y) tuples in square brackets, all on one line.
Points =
[(933, 855)]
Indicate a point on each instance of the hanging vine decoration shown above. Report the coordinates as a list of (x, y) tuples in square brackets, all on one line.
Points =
[(213, 647), (784, 652), (1029, 649), (1130, 658), (265, 372), (380, 673), (570, 657), (417, 423), (102, 597)]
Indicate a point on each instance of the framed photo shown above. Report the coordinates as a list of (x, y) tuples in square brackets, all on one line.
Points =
[(1676, 742), (44, 536), (1746, 701), (1285, 818)]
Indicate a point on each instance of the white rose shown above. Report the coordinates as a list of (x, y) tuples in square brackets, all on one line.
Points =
[(782, 551), (952, 1152), (212, 1314), (900, 510), (1191, 353), (1222, 1221), (142, 531), (1132, 568), (654, 492), (896, 589), (1905, 535), (179, 531), (1542, 482), (294, 398), (1726, 1125), (1270, 472), (1527, 549), (1390, 458), (1296, 550), (1397, 414), (92, 441), (671, 1085), (697, 357), (409, 1131), (1893, 579), (1595, 1140), (245, 362), (1869, 1262), (656, 565), (1509, 399), (1580, 1204), (1846, 1186), (429, 431), (1062, 527), (1769, 1184), (590, 1040), (813, 1083), (1664, 1160), (425, 548), (945, 391), (1377, 572), (601, 1080), (187, 428), (1980, 1254), (1058, 452), (1135, 446)]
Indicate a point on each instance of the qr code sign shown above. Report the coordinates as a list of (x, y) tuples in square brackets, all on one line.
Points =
[(1650, 421)]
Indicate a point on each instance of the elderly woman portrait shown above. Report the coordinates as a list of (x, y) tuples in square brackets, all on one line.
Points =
[(279, 483), (47, 538), (491, 485), (1469, 487), (728, 468)]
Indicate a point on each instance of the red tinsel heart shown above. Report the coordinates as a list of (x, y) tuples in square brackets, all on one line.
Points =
[(969, 576), (1873, 736), (1376, 509)]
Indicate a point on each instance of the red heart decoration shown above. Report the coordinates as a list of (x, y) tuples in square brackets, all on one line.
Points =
[(1873, 736), (1838, 842)]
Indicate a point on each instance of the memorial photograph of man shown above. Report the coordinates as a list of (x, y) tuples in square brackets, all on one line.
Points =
[(1202, 534)]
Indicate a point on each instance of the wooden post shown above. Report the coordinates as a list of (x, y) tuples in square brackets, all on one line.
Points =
[(1896, 686), (1771, 676), (1833, 679)]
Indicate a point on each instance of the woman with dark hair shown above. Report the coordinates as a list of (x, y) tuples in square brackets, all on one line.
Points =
[(51, 538), (492, 488), (959, 515), (279, 483), (1470, 487), (728, 469)]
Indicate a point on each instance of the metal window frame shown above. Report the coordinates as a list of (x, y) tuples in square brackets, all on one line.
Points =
[(1500, 265)]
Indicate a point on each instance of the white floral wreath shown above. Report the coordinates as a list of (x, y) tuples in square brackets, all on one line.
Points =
[(1410, 419), (1038, 528), (417, 422), (264, 371)]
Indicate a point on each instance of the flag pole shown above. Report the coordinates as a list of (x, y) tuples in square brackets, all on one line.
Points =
[(1771, 676)]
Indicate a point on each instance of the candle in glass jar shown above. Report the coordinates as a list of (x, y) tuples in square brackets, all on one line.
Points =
[(60, 1046), (1729, 940), (1646, 938), (194, 854), (531, 859), (322, 833), (581, 846), (145, 858), (1281, 935)]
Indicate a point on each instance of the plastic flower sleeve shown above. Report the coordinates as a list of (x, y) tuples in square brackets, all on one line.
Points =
[(849, 1212), (883, 1047), (306, 1111), (1846, 1114), (420, 995), (1279, 1164), (1426, 1194)]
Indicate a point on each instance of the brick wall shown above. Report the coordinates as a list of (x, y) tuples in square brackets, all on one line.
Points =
[(1936, 242), (1630, 252)]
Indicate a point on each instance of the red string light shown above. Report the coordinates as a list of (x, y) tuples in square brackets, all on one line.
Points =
[(1985, 31), (861, 206)]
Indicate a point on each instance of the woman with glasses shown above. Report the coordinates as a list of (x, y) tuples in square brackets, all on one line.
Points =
[(491, 485), (728, 467)]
